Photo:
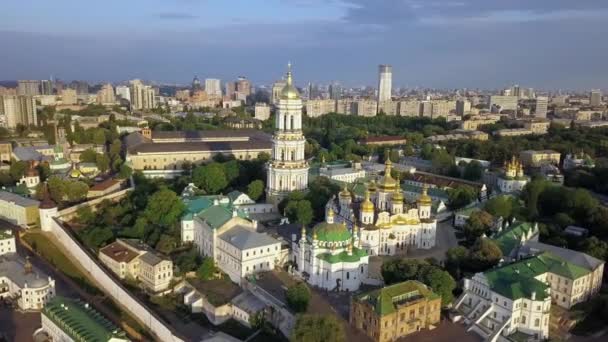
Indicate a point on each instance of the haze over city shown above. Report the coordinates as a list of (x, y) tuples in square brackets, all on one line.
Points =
[(545, 44)]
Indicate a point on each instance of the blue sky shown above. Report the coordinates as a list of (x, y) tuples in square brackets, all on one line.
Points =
[(430, 43)]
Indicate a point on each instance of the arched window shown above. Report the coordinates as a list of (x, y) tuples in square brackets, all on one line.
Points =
[(293, 155), (291, 123), (285, 122)]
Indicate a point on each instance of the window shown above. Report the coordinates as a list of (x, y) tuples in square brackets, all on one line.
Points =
[(537, 322), (523, 319)]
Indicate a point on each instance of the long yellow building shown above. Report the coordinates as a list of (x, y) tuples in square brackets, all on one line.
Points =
[(395, 311)]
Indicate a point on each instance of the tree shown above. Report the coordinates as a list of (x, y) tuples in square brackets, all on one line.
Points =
[(501, 206), (231, 170), (103, 162), (17, 169), (207, 269), (456, 259), (57, 188), (99, 137), (318, 328), (298, 296), (115, 149), (484, 254), (88, 156), (398, 270), (164, 208), (76, 190), (477, 224), (255, 189), (473, 171), (595, 247), (442, 161), (210, 178), (460, 196), (299, 211), (125, 171), (441, 282)]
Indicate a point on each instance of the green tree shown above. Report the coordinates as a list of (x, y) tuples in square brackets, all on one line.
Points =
[(298, 296), (76, 190), (398, 270), (318, 328), (125, 172), (88, 156), (207, 269), (115, 149), (473, 171), (441, 282), (501, 206), (484, 254), (231, 170), (595, 247), (477, 224), (17, 169), (57, 189), (99, 137), (300, 211), (103, 162), (255, 189), (164, 208), (461, 196), (210, 178)]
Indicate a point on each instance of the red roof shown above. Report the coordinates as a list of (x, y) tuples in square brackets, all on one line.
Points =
[(105, 184), (383, 138)]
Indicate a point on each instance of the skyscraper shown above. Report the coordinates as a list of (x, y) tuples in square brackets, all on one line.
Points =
[(106, 95), (46, 87), (385, 82), (243, 88), (196, 84), (595, 98), (288, 168), (28, 87), (142, 96), (124, 92), (335, 91), (81, 87), (542, 102), (213, 87), (18, 109)]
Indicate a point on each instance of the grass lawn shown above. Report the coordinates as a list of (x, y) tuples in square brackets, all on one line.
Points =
[(43, 246)]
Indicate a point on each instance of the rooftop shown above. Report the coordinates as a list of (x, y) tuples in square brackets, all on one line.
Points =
[(118, 252), (387, 299), (80, 321), (578, 258), (12, 266), (18, 200), (510, 238), (245, 238), (105, 184), (356, 255)]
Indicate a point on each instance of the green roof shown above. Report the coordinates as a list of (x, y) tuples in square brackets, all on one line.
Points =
[(79, 322), (510, 237), (6, 234), (387, 299), (215, 215), (332, 232), (518, 280), (343, 256), (433, 192)]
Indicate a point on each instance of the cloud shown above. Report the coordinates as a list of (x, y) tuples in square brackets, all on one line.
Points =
[(177, 16)]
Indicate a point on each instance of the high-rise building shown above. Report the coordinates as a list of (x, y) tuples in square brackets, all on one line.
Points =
[(68, 96), (142, 96), (335, 91), (542, 102), (230, 90), (81, 87), (243, 86), (409, 108), (124, 92), (426, 109), (288, 168), (277, 87), (462, 107), (7, 91), (315, 108), (28, 87), (595, 98), (106, 95), (385, 82), (46, 87), (213, 87), (196, 84), (18, 109), (501, 103)]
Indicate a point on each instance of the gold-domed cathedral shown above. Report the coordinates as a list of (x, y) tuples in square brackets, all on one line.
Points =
[(384, 222), (288, 168)]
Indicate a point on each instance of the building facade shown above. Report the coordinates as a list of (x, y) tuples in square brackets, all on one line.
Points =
[(18, 110), (395, 311), (316, 108), (20, 281), (288, 168), (513, 178), (18, 210), (385, 82)]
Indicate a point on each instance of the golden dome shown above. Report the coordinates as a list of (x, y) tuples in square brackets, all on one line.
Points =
[(75, 173), (424, 198), (289, 92), (388, 182), (330, 213), (398, 196), (345, 193), (367, 206), (372, 186)]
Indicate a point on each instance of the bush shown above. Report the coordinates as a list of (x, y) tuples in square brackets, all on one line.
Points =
[(298, 297)]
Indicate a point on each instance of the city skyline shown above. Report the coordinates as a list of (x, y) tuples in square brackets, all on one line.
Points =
[(442, 44)]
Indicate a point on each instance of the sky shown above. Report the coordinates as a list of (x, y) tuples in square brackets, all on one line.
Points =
[(545, 44)]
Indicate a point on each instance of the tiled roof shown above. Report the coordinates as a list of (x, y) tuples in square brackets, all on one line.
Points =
[(509, 239), (578, 258), (244, 238), (343, 256), (80, 322), (387, 299), (118, 252), (18, 200), (216, 215)]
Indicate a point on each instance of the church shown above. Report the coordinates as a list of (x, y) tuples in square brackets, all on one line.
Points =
[(388, 225), (513, 178)]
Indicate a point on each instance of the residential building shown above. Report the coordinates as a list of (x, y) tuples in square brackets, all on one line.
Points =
[(277, 87), (537, 126), (335, 91), (474, 122), (315, 108), (342, 173), (426, 109), (46, 87), (28, 87), (225, 233), (442, 108), (18, 210), (409, 108), (384, 140), (388, 107), (6, 151), (7, 91), (106, 96), (576, 160), (129, 258), (512, 179), (81, 87), (331, 257), (345, 106), (18, 110), (395, 311), (365, 108), (124, 92), (288, 168), (22, 282), (595, 98), (498, 103), (142, 96), (458, 135), (163, 153), (68, 96), (542, 102), (64, 319), (262, 111), (537, 158), (463, 107), (385, 83), (213, 87), (243, 88), (7, 242)]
